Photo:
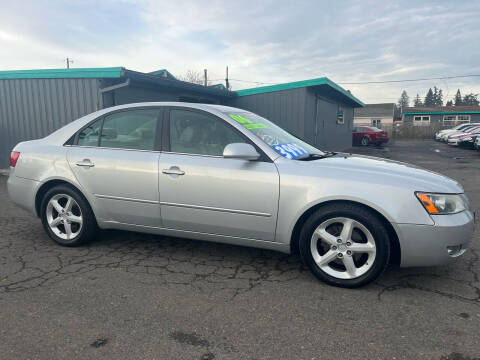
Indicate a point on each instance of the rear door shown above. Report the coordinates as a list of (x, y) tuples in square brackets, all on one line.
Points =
[(115, 160)]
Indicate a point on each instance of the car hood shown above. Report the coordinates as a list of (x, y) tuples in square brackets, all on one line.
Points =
[(370, 170)]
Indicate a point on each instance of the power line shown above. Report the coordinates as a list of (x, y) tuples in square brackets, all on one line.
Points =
[(408, 80), (370, 82)]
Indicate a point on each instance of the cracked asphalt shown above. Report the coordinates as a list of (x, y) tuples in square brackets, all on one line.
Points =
[(136, 296)]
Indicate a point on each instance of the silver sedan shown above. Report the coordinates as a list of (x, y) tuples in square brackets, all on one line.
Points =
[(223, 174)]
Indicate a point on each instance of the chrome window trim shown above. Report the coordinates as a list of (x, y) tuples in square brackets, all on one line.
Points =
[(110, 148)]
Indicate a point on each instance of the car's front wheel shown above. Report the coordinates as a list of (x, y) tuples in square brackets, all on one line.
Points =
[(345, 245), (67, 217), (365, 141)]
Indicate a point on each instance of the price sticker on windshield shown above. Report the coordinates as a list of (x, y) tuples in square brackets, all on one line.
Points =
[(290, 150)]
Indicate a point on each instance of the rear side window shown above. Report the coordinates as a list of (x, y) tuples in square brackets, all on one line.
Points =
[(89, 135), (133, 129)]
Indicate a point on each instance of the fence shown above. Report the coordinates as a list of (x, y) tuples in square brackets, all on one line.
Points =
[(408, 131)]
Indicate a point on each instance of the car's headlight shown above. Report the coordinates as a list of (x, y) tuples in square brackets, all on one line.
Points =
[(442, 204), (467, 139)]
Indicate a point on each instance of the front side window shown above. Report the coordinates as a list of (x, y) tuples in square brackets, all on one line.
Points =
[(274, 136), (88, 136), (196, 133), (132, 129)]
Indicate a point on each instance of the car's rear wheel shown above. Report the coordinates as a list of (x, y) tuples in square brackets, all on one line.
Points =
[(67, 217), (345, 245), (365, 141)]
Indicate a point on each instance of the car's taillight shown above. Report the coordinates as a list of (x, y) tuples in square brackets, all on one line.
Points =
[(14, 155)]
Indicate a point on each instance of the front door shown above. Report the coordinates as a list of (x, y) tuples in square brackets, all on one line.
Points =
[(115, 161), (203, 192)]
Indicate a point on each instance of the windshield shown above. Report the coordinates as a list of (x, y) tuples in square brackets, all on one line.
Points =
[(374, 128), (274, 136)]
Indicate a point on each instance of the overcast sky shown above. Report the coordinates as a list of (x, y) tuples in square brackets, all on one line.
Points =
[(266, 41)]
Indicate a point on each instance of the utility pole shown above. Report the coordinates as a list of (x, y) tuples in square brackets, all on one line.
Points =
[(227, 84), (69, 62), (205, 77)]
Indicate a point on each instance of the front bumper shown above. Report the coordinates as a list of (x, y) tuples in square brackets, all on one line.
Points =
[(452, 141), (439, 244)]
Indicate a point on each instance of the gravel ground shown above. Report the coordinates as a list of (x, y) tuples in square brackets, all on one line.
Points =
[(134, 296)]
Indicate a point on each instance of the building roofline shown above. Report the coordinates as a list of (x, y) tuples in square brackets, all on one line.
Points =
[(299, 84), (161, 81), (441, 113), (106, 72)]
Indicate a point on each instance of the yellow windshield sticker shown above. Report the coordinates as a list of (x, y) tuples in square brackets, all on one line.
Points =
[(247, 123)]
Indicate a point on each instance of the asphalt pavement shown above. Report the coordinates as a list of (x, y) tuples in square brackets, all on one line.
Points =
[(137, 296)]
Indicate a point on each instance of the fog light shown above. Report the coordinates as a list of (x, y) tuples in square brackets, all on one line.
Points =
[(455, 250)]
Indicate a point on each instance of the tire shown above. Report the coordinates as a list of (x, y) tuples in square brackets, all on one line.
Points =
[(365, 141), (77, 216), (367, 248)]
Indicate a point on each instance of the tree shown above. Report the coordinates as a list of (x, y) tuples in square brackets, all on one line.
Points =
[(404, 100), (470, 99), (193, 76), (417, 101), (429, 99), (437, 96), (458, 98), (449, 103), (439, 101)]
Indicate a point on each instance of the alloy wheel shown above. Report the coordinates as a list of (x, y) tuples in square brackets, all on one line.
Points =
[(64, 216), (343, 248)]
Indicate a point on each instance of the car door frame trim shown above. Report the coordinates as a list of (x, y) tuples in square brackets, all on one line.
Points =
[(110, 197), (200, 207)]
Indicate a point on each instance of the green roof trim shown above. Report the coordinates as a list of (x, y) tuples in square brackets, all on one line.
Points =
[(299, 84), (158, 72), (442, 113), (107, 72)]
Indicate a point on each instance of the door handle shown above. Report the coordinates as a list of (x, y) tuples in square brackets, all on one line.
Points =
[(173, 171), (85, 163)]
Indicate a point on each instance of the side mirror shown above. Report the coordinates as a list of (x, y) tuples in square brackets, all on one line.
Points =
[(240, 151)]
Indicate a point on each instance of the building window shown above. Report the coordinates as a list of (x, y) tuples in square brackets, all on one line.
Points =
[(420, 120), (376, 122), (449, 119), (340, 116), (456, 119)]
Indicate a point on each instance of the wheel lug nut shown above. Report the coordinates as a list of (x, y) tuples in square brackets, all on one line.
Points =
[(349, 243), (339, 241), (334, 247), (349, 252), (340, 255)]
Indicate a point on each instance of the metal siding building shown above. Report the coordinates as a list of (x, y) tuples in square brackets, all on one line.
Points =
[(308, 109), (34, 108), (34, 103), (443, 115)]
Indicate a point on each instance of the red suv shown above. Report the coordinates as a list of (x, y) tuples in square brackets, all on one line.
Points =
[(365, 135)]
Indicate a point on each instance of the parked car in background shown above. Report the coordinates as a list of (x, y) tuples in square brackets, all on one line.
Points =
[(218, 173), (468, 127), (468, 141), (476, 144), (455, 138), (445, 132), (366, 135)]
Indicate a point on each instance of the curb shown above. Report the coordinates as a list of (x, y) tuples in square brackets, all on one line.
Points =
[(4, 172)]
